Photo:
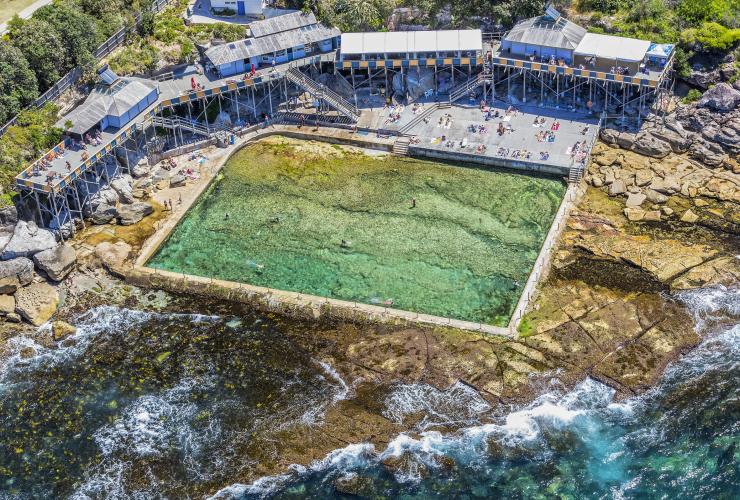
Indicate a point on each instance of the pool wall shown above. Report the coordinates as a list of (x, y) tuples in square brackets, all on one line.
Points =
[(309, 306)]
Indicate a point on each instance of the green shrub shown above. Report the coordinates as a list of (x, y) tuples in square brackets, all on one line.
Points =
[(693, 95), (710, 37), (525, 327), (33, 135)]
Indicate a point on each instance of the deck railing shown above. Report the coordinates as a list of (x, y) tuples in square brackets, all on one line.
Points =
[(74, 75)]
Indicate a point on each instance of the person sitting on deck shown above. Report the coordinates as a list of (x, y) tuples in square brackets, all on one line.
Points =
[(85, 156), (68, 165)]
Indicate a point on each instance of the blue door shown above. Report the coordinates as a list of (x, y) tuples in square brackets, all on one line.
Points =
[(240, 8)]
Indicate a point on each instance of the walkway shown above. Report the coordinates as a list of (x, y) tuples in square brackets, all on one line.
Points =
[(25, 13)]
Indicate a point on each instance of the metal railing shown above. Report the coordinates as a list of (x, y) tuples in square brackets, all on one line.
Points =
[(323, 92), (74, 75)]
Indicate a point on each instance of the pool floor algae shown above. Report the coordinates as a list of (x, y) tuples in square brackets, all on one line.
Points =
[(426, 237)]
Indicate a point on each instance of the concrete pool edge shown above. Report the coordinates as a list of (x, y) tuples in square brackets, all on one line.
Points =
[(310, 306)]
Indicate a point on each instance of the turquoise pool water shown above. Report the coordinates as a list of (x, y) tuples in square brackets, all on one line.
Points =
[(441, 239)]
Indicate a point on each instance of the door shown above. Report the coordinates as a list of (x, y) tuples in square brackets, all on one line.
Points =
[(240, 9)]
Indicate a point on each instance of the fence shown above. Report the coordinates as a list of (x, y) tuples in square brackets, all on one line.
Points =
[(74, 75)]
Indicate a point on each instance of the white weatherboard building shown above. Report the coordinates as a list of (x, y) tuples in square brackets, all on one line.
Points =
[(241, 7), (274, 41), (411, 44)]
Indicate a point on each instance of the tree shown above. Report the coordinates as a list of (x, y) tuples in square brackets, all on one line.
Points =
[(40, 44), (18, 85), (77, 30)]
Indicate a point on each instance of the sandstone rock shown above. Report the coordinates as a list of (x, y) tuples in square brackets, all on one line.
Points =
[(139, 193), (113, 255), (667, 211), (609, 177), (13, 317), (106, 196), (7, 304), (123, 186), (143, 183), (140, 170), (634, 214), (5, 235), (177, 180), (8, 216), (677, 143), (643, 177), (667, 185), (27, 240), (14, 274), (689, 217), (617, 187), (722, 97), (652, 216), (655, 197), (649, 145), (703, 152), (354, 485), (700, 203), (103, 214), (597, 181), (60, 330), (719, 271), (57, 262), (37, 302), (160, 175), (131, 214), (607, 157), (635, 200)]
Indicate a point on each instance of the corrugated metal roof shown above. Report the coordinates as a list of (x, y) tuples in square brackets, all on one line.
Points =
[(251, 47), (411, 41), (543, 31), (108, 100), (612, 47), (278, 24)]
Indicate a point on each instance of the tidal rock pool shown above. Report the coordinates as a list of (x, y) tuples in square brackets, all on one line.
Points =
[(441, 239)]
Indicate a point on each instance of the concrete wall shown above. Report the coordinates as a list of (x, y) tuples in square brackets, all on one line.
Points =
[(488, 160)]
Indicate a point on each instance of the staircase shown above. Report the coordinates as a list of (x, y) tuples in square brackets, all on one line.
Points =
[(401, 146), (322, 92), (417, 120), (575, 174), (188, 125), (468, 86)]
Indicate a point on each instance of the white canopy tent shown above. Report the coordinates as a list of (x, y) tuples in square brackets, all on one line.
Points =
[(615, 48)]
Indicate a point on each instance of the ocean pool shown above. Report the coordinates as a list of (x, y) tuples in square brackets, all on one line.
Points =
[(435, 238)]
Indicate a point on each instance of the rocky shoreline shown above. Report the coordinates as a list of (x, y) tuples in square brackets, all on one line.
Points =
[(604, 312)]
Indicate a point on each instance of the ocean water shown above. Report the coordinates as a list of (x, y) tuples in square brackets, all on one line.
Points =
[(343, 225), (152, 405), (679, 440)]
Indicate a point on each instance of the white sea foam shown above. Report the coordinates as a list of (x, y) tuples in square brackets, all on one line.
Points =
[(712, 303), (460, 404)]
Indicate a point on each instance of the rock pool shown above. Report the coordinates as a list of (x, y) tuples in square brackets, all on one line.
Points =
[(441, 239)]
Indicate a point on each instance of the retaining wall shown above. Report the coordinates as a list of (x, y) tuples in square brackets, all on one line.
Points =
[(310, 306)]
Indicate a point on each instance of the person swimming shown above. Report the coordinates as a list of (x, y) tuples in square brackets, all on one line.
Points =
[(345, 244)]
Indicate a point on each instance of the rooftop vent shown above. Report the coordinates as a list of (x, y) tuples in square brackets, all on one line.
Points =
[(552, 12), (107, 75)]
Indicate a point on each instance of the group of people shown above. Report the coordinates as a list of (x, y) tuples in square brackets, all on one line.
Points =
[(96, 138), (394, 114), (445, 121), (579, 151), (619, 70)]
